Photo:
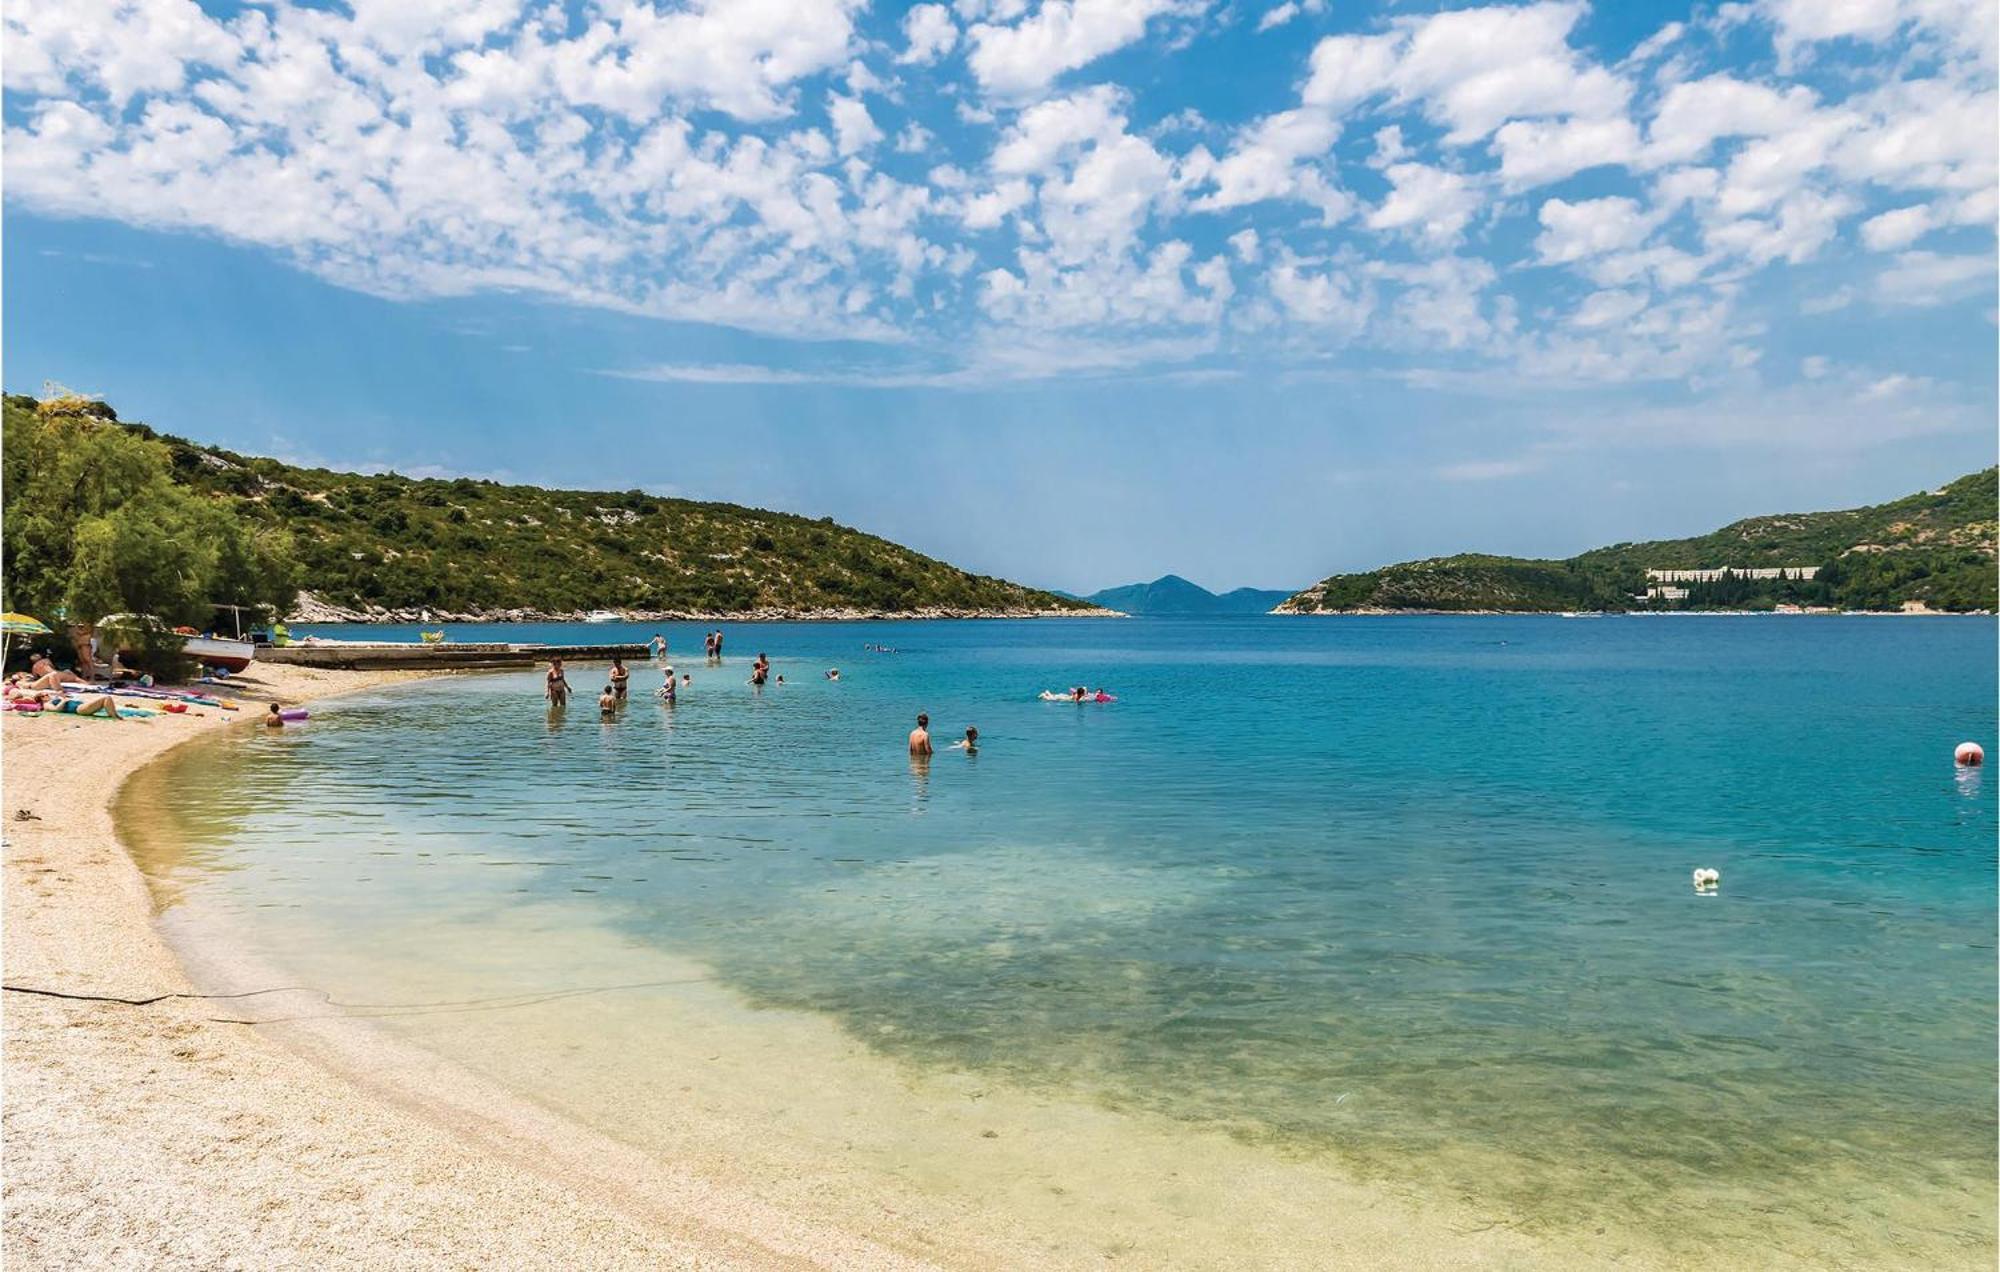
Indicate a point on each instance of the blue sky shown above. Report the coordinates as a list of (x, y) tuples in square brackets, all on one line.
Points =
[(1077, 291)]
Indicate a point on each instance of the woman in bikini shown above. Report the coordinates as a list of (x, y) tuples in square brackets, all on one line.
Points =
[(557, 684)]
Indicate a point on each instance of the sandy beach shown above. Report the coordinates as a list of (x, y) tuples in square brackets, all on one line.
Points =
[(155, 1135)]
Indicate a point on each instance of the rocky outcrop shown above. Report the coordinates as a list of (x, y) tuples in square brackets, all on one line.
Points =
[(311, 609)]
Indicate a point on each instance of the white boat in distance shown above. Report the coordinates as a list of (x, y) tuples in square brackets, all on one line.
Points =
[(604, 616)]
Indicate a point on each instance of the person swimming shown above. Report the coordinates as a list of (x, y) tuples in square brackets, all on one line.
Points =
[(833, 673), (969, 743)]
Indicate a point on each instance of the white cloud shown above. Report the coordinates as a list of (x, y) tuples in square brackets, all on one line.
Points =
[(853, 129), (1470, 70), (1893, 231), (1592, 227), (928, 33), (1431, 203), (1608, 308), (1928, 278), (1264, 162), (671, 158), (1061, 35), (1279, 14), (1537, 152)]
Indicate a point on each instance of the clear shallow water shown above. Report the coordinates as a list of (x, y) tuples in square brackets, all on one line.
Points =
[(1409, 896)]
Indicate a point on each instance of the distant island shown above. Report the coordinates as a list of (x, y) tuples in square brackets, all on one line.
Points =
[(386, 547), (1170, 594), (1935, 550)]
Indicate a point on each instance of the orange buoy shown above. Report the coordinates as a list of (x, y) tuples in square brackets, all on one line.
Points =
[(1970, 754)]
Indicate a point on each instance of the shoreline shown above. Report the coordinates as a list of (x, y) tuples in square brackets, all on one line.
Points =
[(316, 613), (164, 1133), (190, 1129)]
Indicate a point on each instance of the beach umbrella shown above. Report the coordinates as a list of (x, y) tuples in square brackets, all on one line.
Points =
[(12, 625)]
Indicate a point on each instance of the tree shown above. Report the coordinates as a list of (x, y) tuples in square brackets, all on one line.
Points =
[(94, 524)]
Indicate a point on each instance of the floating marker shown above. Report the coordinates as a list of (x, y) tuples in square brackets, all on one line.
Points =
[(1969, 754)]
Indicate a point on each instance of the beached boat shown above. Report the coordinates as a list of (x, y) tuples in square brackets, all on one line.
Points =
[(604, 616), (217, 651), (209, 651)]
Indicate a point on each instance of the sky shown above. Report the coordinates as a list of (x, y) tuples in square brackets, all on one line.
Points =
[(1077, 292)]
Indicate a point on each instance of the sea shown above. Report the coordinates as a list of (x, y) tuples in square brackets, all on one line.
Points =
[(1316, 913)]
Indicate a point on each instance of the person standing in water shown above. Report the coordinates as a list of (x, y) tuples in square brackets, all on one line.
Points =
[(619, 678), (607, 703), (556, 684), (760, 671), (668, 693), (659, 647), (718, 642), (920, 737)]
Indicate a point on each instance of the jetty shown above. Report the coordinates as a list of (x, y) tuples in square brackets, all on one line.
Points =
[(460, 656)]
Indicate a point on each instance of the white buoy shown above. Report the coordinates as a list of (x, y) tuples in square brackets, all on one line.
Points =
[(1969, 754)]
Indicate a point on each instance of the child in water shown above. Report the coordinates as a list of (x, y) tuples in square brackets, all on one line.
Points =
[(274, 720), (970, 743)]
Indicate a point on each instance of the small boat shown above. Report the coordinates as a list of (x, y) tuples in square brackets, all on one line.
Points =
[(216, 651), (604, 616), (209, 651)]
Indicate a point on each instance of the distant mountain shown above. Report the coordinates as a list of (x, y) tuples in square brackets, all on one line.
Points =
[(1172, 594), (1936, 548)]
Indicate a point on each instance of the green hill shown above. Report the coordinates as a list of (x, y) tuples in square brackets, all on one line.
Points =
[(1936, 548), (479, 548)]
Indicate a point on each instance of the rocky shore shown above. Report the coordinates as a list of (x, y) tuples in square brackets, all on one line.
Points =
[(312, 609)]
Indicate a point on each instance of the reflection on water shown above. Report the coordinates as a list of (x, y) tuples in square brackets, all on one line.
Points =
[(1369, 895)]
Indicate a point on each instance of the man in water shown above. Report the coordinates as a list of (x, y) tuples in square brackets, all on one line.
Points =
[(969, 743), (607, 703), (920, 737)]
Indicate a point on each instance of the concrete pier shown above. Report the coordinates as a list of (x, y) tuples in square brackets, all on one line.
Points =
[(445, 655)]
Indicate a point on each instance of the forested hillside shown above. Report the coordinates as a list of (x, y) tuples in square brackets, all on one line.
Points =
[(1935, 547), (479, 547)]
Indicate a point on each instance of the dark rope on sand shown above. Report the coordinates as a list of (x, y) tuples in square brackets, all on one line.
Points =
[(352, 1010)]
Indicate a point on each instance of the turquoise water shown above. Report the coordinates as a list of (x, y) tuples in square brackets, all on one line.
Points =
[(1410, 895)]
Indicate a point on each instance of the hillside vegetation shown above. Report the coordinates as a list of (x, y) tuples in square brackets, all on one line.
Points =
[(470, 547), (1936, 548)]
